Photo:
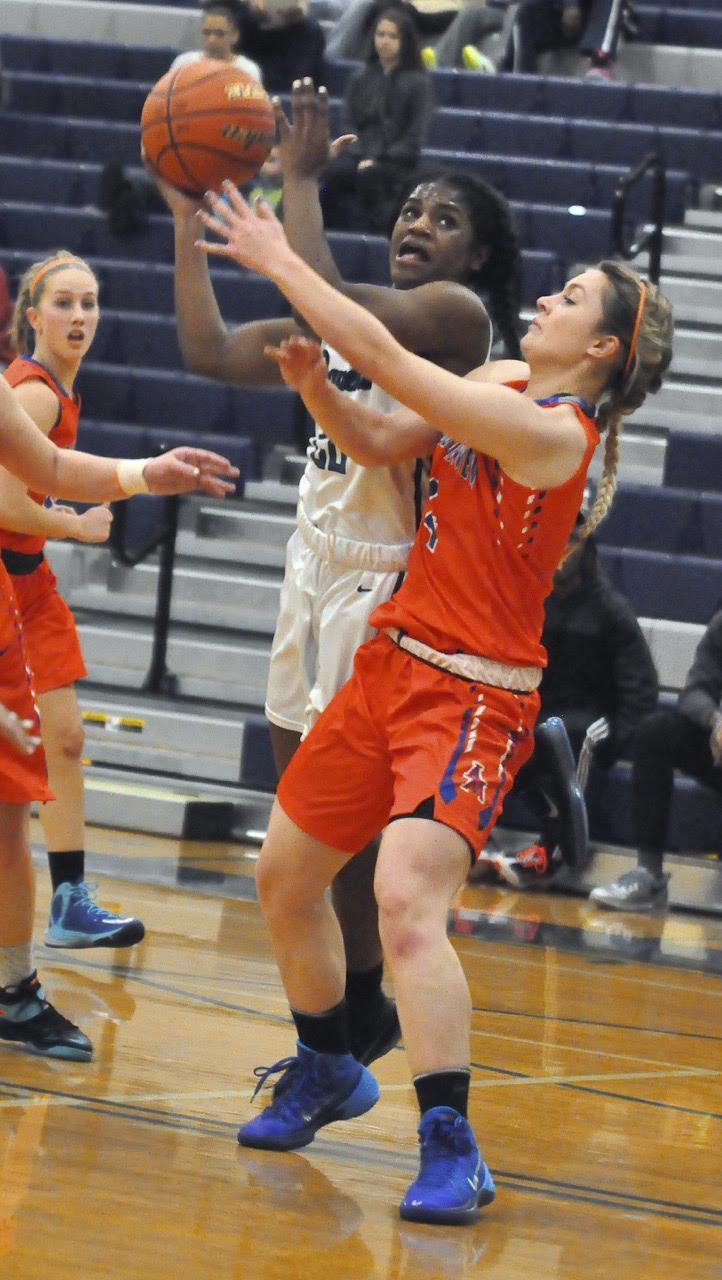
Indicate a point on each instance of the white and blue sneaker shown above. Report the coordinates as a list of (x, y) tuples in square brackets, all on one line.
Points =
[(76, 920), (453, 1181)]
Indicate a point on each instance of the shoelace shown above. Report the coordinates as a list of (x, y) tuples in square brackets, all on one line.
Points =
[(285, 1065), (84, 891), (441, 1144)]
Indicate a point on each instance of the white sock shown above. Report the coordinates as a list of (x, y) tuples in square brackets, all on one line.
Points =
[(16, 963)]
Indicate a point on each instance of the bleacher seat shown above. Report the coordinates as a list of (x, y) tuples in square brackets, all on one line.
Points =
[(682, 588), (675, 521), (694, 461)]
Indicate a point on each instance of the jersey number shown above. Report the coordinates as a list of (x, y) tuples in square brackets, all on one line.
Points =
[(326, 456), (431, 525)]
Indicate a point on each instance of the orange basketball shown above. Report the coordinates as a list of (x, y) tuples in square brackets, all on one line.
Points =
[(204, 122)]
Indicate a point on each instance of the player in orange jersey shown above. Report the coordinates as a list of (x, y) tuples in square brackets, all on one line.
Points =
[(25, 1015), (425, 739), (54, 323)]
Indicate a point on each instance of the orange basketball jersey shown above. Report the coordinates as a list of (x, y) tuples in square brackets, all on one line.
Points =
[(63, 434), (485, 553)]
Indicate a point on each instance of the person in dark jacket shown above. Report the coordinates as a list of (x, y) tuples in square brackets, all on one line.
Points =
[(600, 681), (387, 109), (284, 41), (687, 737)]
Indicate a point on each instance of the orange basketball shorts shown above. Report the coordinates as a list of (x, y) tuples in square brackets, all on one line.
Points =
[(22, 778), (51, 640), (405, 739)]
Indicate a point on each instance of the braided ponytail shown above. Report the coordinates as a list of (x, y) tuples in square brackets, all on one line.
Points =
[(30, 291), (630, 305)]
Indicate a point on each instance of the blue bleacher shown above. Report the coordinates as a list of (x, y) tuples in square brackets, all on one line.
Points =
[(680, 588), (674, 521), (698, 27), (694, 461)]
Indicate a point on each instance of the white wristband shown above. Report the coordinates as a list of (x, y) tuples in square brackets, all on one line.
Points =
[(129, 474)]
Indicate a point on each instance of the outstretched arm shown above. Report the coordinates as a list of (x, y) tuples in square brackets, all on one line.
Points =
[(372, 439), (65, 473), (207, 345), (446, 321), (537, 447)]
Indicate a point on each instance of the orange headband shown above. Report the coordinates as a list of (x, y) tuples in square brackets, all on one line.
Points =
[(635, 331), (49, 266)]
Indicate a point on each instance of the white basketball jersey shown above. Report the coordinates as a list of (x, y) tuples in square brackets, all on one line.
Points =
[(373, 505)]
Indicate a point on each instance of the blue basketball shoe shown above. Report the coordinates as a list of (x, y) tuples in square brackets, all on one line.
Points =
[(76, 920), (315, 1089), (453, 1180), (27, 1018)]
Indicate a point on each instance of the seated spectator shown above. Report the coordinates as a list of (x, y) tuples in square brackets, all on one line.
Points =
[(352, 34), (387, 108), (221, 38), (600, 681), (687, 737), (287, 44), (591, 26), (268, 183)]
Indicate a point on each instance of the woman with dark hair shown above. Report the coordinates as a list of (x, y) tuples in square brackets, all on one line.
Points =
[(387, 108)]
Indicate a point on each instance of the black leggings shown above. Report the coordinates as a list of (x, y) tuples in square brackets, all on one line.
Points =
[(666, 741)]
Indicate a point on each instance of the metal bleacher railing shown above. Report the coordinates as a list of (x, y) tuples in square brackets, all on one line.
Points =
[(158, 678), (651, 239)]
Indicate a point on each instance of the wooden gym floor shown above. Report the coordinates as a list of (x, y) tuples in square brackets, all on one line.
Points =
[(597, 1051)]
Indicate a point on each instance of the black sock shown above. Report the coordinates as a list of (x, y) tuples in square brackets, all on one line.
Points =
[(324, 1032), (66, 866), (443, 1089), (364, 994), (652, 861)]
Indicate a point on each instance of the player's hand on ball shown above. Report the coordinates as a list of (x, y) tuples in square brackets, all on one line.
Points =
[(301, 363), (180, 205), (184, 470), (252, 237)]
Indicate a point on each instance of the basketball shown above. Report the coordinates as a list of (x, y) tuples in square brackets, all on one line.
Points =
[(205, 122)]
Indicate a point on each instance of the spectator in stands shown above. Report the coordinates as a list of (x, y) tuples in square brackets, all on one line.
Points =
[(287, 44), (687, 736), (268, 183), (600, 680), (386, 109), (221, 36), (592, 26), (352, 34)]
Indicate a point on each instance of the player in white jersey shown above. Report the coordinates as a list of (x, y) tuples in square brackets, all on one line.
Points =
[(453, 236)]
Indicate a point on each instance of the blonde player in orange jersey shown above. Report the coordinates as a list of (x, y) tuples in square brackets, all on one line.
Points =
[(26, 1017), (54, 323), (425, 739)]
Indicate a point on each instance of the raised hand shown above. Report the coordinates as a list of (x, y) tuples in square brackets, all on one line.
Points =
[(94, 525), (15, 731), (180, 205), (301, 363), (252, 237), (184, 470), (306, 149)]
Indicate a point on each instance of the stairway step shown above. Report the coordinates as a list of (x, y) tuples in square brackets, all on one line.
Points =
[(142, 733), (159, 806), (231, 670)]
